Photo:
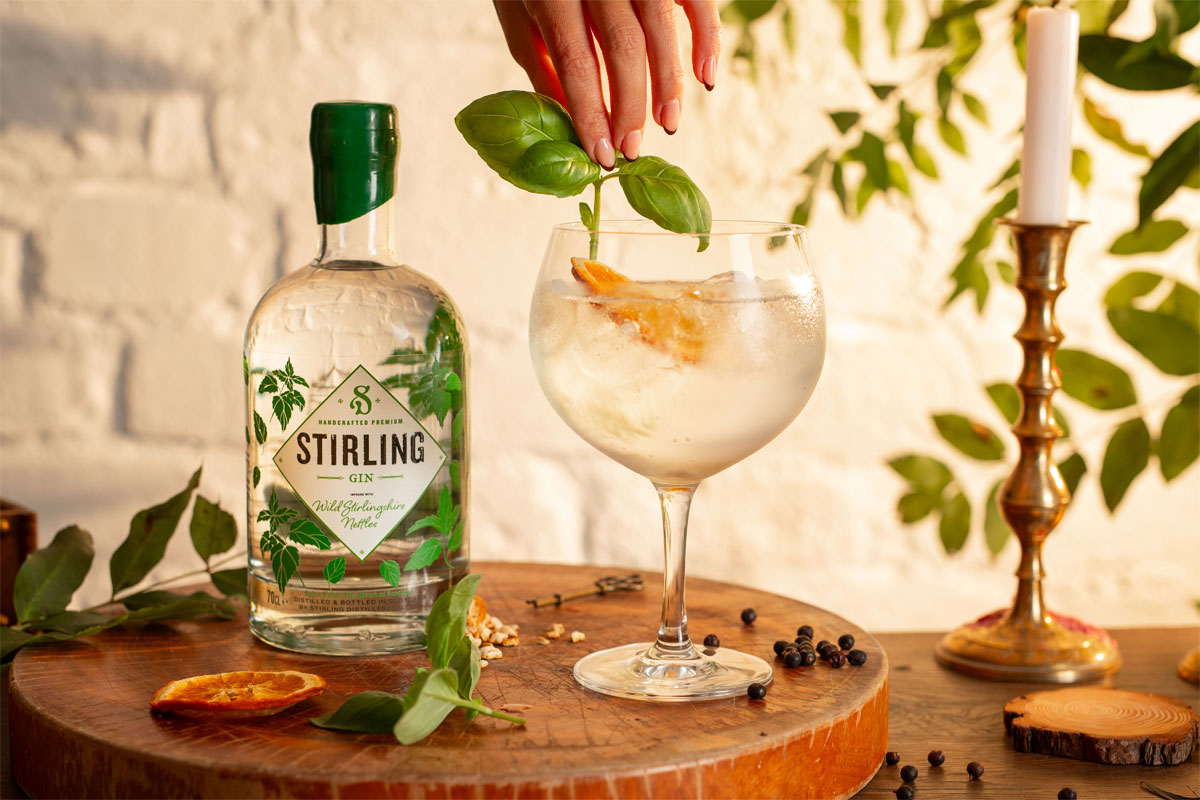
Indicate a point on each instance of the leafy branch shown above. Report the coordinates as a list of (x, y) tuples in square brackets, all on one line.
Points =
[(434, 692), (49, 578), (528, 139)]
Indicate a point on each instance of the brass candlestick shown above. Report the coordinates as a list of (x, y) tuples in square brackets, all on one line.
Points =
[(1027, 642)]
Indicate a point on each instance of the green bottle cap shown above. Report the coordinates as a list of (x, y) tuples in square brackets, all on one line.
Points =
[(354, 148)]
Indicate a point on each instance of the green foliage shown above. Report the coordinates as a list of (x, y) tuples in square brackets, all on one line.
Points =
[(955, 523), (433, 693), (1095, 381), (1127, 454), (49, 578), (996, 532), (282, 522), (447, 524), (969, 437), (1168, 172), (1179, 442), (1153, 237), (529, 140), (335, 570), (1121, 63)]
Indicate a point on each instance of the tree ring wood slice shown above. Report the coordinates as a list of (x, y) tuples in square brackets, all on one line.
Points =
[(1105, 725), (821, 733)]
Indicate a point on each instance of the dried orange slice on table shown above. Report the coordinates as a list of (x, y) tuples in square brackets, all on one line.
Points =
[(230, 695), (659, 323)]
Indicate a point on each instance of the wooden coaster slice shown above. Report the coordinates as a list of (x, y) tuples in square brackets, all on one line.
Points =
[(1108, 726)]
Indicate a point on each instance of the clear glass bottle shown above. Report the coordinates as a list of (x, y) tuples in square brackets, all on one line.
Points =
[(357, 428)]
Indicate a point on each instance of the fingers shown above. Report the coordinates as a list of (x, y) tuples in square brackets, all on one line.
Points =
[(623, 44), (569, 44), (666, 75), (706, 39), (527, 48)]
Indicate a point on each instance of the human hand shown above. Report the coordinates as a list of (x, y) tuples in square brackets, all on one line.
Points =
[(552, 41)]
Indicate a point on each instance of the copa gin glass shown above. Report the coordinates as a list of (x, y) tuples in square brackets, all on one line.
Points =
[(676, 355)]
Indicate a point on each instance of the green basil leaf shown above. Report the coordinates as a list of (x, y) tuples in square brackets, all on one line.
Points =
[(1095, 381), (1168, 343), (955, 523), (1168, 172), (426, 704), (561, 169), (1127, 454), (1154, 72), (465, 663), (1179, 444), (969, 437), (365, 712), (927, 475), (996, 532), (335, 570), (1107, 127), (149, 533), (49, 577), (447, 620), (212, 529), (664, 194), (390, 571), (502, 126), (231, 582), (1130, 287), (1072, 469)]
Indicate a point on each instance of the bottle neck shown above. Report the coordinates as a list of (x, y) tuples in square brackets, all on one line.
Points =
[(369, 238)]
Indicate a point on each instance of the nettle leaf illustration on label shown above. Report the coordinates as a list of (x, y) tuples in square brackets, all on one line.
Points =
[(359, 462), (281, 383), (285, 525)]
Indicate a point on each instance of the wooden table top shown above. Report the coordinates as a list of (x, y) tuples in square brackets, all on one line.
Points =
[(931, 708)]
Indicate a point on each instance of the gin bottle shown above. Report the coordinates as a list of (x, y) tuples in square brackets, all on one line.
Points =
[(357, 432)]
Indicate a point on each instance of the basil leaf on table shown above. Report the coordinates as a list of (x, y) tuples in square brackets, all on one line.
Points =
[(502, 126), (465, 663), (429, 700), (664, 194), (365, 712), (558, 168)]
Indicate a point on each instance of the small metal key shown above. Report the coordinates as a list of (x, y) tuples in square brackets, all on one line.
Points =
[(602, 586)]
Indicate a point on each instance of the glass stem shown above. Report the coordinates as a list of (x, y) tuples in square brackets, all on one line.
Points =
[(673, 641)]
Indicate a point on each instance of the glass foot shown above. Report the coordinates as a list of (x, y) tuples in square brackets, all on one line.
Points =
[(629, 671)]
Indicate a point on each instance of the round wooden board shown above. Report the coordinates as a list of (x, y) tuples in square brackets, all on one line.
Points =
[(81, 725), (1105, 725)]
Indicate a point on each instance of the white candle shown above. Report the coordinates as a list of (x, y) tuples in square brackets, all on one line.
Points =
[(1051, 50)]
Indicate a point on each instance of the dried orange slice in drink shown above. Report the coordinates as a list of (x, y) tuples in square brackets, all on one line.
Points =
[(658, 320), (230, 695)]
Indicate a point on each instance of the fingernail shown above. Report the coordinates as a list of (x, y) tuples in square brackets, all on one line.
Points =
[(632, 145), (670, 115), (708, 72), (603, 153)]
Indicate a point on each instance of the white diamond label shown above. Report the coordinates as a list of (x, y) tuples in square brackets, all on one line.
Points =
[(360, 461)]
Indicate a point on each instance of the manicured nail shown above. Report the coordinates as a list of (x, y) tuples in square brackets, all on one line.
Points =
[(603, 153), (708, 72), (632, 145), (670, 115)]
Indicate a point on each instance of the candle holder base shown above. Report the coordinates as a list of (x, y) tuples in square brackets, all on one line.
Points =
[(1060, 649)]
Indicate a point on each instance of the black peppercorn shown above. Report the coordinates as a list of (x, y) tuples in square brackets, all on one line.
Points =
[(974, 769), (856, 658), (936, 758), (836, 659), (779, 647), (891, 758), (756, 691), (712, 641), (807, 658), (845, 641), (749, 615), (805, 631), (1066, 793), (793, 659), (908, 773), (904, 793)]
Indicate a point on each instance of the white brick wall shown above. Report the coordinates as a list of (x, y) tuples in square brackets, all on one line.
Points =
[(154, 180)]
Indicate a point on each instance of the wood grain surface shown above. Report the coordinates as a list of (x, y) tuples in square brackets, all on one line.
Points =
[(81, 726), (1103, 724), (934, 708)]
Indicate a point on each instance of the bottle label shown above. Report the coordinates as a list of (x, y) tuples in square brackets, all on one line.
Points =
[(360, 461)]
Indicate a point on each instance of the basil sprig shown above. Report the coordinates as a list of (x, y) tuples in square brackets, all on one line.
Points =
[(435, 692), (528, 139)]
